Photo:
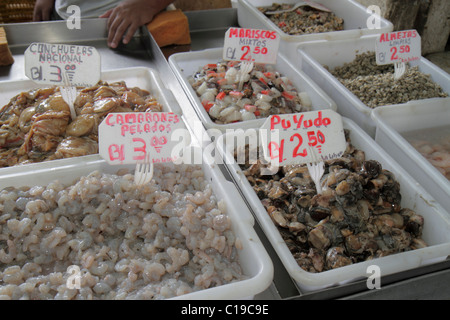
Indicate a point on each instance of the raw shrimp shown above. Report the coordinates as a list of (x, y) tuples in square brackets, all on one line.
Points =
[(436, 151)]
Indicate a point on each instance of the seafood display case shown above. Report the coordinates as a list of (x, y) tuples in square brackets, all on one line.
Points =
[(320, 58), (347, 19), (417, 135), (97, 204), (186, 67), (78, 136), (89, 175), (207, 31), (289, 231)]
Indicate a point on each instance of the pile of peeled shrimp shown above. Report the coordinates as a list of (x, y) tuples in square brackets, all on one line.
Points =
[(438, 154)]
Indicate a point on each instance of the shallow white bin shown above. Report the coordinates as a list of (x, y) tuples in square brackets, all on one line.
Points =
[(436, 230), (187, 64), (392, 121), (255, 261), (144, 78), (354, 14), (312, 56)]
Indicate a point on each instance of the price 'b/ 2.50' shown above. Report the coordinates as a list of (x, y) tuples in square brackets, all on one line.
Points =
[(402, 49), (303, 137), (315, 139), (257, 50), (253, 45)]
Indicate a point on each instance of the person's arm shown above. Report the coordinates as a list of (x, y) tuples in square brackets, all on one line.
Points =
[(43, 10), (128, 16)]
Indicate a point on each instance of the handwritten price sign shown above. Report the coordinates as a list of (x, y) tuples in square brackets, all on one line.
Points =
[(399, 46), (125, 138), (287, 139), (253, 45), (62, 64)]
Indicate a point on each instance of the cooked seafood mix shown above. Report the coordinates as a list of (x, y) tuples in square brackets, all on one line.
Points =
[(303, 20), (36, 125), (375, 85), (264, 92), (357, 217), (165, 239)]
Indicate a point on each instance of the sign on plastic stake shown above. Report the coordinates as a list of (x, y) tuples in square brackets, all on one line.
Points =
[(398, 48), (128, 137), (288, 138), (63, 65), (48, 64), (308, 137), (252, 45)]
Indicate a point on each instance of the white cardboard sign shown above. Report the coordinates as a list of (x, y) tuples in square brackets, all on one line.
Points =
[(398, 46), (287, 139), (62, 64), (126, 137), (252, 45)]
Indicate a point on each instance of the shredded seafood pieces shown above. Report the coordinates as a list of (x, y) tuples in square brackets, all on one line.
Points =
[(265, 92), (303, 20)]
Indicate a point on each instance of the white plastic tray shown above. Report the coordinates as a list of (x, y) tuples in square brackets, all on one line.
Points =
[(392, 121), (436, 230), (313, 56), (255, 262), (144, 78), (354, 14), (187, 64)]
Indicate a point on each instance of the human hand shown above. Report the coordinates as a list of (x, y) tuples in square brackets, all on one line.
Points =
[(42, 10), (128, 16)]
